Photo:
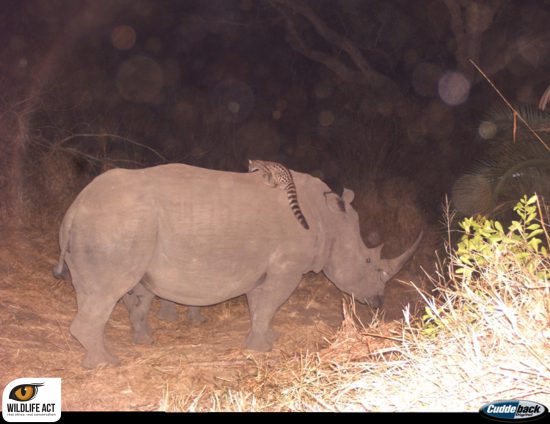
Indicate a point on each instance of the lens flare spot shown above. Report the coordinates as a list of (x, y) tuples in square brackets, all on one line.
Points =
[(326, 118), (233, 99), (487, 130), (233, 107), (123, 37), (453, 88)]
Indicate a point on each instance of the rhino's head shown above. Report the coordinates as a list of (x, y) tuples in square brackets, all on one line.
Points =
[(350, 265)]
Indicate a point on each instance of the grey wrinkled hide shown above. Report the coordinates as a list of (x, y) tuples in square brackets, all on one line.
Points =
[(199, 237), (132, 299)]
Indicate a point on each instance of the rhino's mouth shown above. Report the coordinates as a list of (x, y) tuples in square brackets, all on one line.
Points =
[(374, 301)]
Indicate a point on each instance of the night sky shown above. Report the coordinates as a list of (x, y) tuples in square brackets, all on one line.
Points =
[(357, 92)]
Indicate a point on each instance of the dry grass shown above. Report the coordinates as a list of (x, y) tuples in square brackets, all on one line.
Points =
[(490, 340), (492, 343)]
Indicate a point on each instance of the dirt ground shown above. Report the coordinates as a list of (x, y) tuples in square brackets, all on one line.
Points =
[(36, 311)]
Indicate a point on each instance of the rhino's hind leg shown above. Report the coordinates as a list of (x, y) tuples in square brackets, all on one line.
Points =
[(95, 304), (138, 301), (263, 302), (88, 328)]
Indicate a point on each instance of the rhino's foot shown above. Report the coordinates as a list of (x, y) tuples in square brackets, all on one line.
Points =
[(92, 360), (261, 342), (194, 316), (167, 311), (143, 338)]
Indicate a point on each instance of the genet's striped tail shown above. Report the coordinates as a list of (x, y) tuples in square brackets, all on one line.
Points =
[(294, 205)]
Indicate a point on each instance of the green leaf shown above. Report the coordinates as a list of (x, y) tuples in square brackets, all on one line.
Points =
[(535, 233), (532, 199), (515, 239), (495, 240), (464, 271), (534, 242), (466, 224), (515, 226)]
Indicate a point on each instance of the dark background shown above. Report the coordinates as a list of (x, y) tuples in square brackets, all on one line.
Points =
[(378, 96)]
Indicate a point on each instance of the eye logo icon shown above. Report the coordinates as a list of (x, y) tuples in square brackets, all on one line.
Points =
[(24, 392), (32, 399)]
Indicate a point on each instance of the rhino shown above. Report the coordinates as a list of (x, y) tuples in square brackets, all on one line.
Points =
[(198, 237), (168, 312)]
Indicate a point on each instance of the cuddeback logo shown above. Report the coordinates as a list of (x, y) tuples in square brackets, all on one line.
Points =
[(32, 400), (513, 410)]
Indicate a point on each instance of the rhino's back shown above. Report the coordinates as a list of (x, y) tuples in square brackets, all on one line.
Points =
[(189, 210), (221, 215), (168, 177)]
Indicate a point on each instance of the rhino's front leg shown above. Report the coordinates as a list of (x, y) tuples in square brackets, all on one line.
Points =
[(168, 312), (194, 315), (263, 302)]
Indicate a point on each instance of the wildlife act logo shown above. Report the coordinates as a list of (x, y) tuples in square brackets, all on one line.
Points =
[(513, 410), (32, 400)]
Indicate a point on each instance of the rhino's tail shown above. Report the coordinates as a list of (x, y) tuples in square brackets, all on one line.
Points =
[(60, 270)]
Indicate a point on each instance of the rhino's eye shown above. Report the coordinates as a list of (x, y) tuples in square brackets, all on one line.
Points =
[(368, 260), (24, 392)]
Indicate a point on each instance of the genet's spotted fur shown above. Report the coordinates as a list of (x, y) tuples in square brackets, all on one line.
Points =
[(277, 175)]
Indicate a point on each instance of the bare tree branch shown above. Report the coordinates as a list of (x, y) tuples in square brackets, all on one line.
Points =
[(469, 20), (457, 26), (331, 62), (364, 72), (329, 34)]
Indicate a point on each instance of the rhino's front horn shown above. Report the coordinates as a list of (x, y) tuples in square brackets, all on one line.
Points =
[(392, 266)]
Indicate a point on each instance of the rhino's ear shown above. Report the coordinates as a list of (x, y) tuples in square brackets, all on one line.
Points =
[(348, 195), (334, 202)]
